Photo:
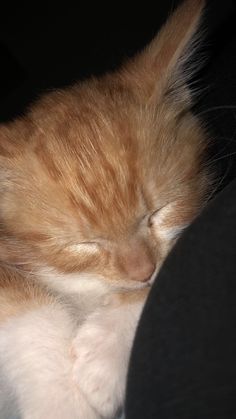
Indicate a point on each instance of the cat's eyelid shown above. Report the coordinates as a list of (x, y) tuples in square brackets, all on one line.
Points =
[(147, 215), (87, 243), (154, 214), (146, 218), (92, 245), (96, 241), (156, 211)]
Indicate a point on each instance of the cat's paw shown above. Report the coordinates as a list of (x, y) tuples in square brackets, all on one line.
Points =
[(99, 368)]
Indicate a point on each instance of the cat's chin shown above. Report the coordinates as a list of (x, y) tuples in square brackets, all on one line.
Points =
[(128, 285), (87, 283)]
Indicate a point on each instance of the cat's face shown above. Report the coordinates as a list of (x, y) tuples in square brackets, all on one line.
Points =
[(99, 179)]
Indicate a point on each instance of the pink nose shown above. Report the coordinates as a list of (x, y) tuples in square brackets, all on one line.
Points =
[(143, 272), (137, 263)]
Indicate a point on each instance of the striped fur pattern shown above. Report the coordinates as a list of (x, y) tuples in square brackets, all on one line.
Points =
[(97, 182)]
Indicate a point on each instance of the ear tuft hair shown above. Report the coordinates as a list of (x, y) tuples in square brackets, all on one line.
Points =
[(166, 65)]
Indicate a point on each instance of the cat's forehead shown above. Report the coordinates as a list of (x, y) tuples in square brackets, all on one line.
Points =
[(103, 185), (92, 158)]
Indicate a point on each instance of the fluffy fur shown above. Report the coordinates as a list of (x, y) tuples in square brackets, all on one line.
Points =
[(97, 182)]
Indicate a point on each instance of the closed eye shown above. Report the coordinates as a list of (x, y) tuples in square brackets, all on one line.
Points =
[(146, 218), (152, 216), (83, 247)]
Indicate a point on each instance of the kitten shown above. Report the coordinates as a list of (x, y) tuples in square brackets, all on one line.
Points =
[(97, 182)]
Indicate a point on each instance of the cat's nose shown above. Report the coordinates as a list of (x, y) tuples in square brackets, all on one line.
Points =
[(143, 272), (137, 263)]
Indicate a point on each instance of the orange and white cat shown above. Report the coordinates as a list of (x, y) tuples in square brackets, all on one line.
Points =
[(97, 181)]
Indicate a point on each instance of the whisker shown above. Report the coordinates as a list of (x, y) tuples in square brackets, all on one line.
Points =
[(230, 140), (216, 108), (221, 180), (224, 157)]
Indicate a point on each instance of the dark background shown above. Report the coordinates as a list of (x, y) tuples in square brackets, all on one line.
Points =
[(44, 46)]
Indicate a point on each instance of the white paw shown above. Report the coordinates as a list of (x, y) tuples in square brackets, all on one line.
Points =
[(100, 367)]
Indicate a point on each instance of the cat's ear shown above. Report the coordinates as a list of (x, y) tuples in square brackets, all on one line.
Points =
[(164, 65)]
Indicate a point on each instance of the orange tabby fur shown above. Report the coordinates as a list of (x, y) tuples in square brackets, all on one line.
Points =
[(99, 179), (19, 295), (87, 163)]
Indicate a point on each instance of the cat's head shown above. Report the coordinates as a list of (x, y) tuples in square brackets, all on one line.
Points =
[(100, 179)]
